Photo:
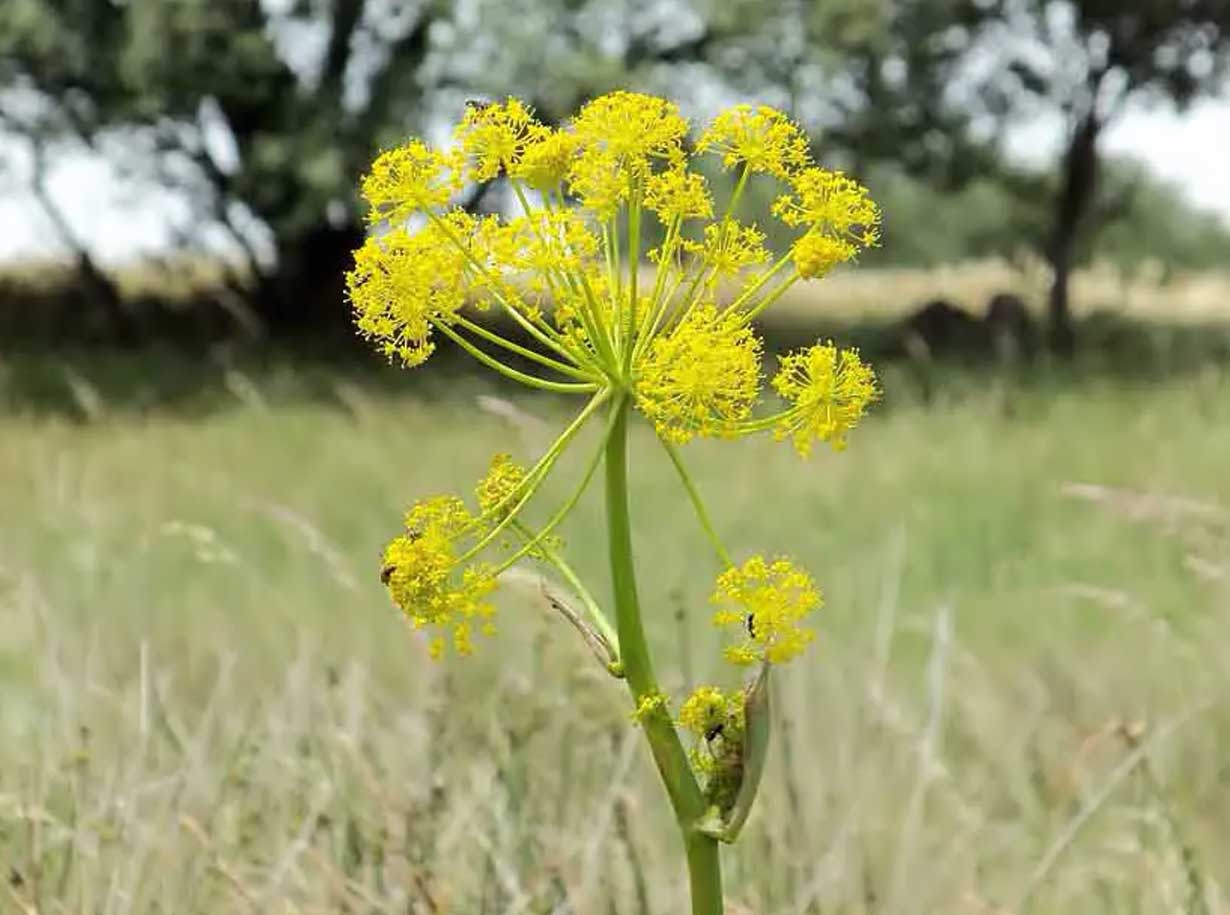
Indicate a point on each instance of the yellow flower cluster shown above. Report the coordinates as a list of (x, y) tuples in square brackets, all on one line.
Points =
[(815, 254), (678, 194), (727, 249), (828, 389), (649, 704), (496, 137), (423, 574), (716, 718), (675, 336), (404, 284), (762, 138), (708, 712), (411, 178), (497, 492), (631, 130), (568, 274), (765, 604), (702, 378), (431, 570)]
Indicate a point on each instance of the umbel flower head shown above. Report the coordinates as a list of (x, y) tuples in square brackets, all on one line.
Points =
[(710, 713), (563, 267), (701, 378), (597, 313), (427, 579), (765, 603), (828, 389), (715, 718)]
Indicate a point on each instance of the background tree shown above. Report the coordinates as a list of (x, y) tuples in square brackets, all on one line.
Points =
[(261, 113), (1088, 59), (264, 113), (929, 87), (209, 98)]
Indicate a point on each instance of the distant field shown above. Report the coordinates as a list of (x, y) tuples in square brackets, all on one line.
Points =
[(1020, 701), (1148, 291)]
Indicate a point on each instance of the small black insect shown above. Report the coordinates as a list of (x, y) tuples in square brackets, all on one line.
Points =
[(387, 572), (751, 625), (714, 731), (478, 104)]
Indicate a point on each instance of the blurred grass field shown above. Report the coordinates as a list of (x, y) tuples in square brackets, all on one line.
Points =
[(1020, 701)]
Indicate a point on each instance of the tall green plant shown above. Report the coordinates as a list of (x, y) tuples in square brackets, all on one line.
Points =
[(661, 341)]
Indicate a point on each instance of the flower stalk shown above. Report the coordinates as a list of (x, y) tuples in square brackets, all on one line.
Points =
[(704, 865), (679, 351)]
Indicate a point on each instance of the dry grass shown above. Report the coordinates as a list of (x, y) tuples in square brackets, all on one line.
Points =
[(1147, 293), (1019, 702)]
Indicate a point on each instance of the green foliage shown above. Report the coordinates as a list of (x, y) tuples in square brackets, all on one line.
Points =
[(1008, 215), (303, 93), (1140, 218)]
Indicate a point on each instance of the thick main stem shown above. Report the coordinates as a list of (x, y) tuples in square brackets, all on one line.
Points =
[(704, 866)]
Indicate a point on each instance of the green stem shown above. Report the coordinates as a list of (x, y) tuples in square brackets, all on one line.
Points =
[(634, 270), (737, 194), (768, 300), (759, 283), (702, 514), (534, 478), (479, 331), (592, 330), (704, 865), (560, 514), (597, 617), (533, 381)]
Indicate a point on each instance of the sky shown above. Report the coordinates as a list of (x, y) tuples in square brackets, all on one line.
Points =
[(119, 221)]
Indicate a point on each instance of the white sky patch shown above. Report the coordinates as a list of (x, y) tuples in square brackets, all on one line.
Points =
[(1190, 148)]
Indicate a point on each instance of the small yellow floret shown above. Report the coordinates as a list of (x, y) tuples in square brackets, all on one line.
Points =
[(815, 254), (765, 602), (500, 489), (496, 136), (409, 179), (829, 390), (762, 138), (831, 203), (709, 712), (678, 194), (421, 571), (702, 378)]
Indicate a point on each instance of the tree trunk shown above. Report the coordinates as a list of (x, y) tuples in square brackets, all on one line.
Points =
[(101, 292), (1080, 172), (305, 292)]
